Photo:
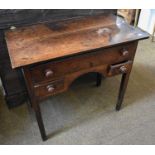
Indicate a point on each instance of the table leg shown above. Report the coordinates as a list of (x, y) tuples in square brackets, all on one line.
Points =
[(40, 122), (123, 86), (98, 79)]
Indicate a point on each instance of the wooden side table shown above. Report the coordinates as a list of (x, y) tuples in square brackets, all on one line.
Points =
[(53, 55)]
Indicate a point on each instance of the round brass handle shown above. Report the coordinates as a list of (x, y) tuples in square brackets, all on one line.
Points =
[(50, 88), (125, 52), (48, 73), (123, 69)]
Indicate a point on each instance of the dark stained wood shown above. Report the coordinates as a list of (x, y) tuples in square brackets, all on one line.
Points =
[(123, 86), (20, 17), (26, 45), (40, 122), (50, 88), (14, 89), (34, 103), (98, 79), (120, 68), (52, 56), (12, 80), (106, 62), (124, 81), (85, 61)]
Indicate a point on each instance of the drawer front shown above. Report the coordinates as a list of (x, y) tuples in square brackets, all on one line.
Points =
[(49, 89), (120, 68), (56, 69)]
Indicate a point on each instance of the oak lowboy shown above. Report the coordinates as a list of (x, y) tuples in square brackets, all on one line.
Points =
[(53, 55)]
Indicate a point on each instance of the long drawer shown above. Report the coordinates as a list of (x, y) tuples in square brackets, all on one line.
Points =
[(57, 69)]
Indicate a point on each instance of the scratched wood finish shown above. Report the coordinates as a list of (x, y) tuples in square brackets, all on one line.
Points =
[(26, 45)]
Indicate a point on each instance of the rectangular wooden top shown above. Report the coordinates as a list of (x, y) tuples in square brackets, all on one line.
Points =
[(37, 43)]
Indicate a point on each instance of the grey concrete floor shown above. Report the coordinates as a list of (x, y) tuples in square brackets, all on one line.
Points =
[(85, 114)]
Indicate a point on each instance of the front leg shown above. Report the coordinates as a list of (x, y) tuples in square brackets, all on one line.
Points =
[(122, 89), (98, 79), (40, 122)]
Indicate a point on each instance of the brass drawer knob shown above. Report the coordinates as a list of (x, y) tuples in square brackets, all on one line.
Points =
[(123, 69), (48, 73), (125, 52), (50, 88)]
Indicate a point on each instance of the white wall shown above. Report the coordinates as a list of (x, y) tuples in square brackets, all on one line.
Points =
[(147, 20)]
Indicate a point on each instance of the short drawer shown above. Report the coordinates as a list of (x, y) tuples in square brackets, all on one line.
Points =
[(49, 89), (56, 69), (120, 68)]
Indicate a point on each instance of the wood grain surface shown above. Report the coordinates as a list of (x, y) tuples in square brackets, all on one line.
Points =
[(43, 42)]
